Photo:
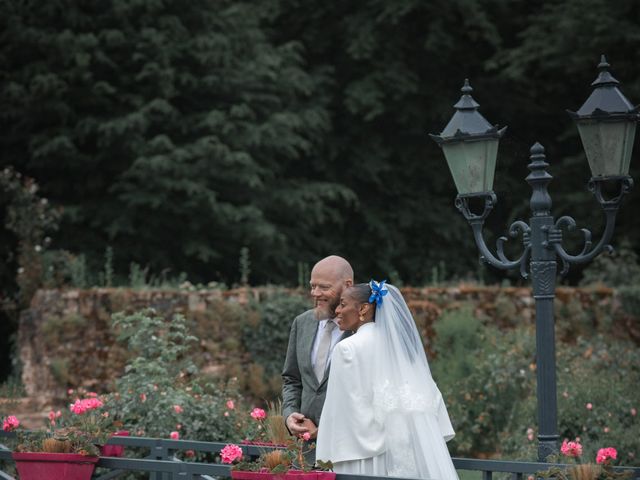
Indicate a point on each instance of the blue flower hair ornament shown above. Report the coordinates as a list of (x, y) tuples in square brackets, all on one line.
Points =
[(378, 290)]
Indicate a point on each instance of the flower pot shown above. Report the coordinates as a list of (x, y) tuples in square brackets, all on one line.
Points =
[(312, 475), (54, 466), (323, 475), (114, 450), (246, 475)]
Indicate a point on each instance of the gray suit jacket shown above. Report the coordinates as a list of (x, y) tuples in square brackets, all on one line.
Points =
[(301, 391)]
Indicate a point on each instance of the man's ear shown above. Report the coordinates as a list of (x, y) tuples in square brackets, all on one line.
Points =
[(348, 283)]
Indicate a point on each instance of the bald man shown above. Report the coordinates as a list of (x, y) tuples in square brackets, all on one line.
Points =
[(311, 341)]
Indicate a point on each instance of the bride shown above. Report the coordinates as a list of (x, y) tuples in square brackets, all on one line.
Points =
[(383, 413)]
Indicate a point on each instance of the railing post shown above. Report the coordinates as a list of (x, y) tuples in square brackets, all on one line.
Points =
[(159, 452)]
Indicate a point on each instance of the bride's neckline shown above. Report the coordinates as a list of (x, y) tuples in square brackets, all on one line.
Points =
[(364, 325)]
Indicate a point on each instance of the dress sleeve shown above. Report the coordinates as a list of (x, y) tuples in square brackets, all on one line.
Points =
[(348, 430), (443, 419)]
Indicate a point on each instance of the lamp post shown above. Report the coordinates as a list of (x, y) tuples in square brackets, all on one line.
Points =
[(606, 123)]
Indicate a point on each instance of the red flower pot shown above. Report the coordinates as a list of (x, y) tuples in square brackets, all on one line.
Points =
[(246, 475), (312, 475), (326, 475), (54, 466), (114, 450)]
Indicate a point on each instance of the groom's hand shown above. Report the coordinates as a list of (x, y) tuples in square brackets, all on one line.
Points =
[(296, 423), (311, 428)]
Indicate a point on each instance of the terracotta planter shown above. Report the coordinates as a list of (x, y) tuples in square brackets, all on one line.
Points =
[(54, 466)]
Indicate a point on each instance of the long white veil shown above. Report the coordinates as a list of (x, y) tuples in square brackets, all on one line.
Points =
[(406, 399)]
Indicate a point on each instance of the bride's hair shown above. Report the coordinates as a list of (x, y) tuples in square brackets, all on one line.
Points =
[(361, 292)]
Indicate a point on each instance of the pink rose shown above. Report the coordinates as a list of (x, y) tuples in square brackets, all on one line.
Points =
[(226, 414), (77, 407), (571, 449), (589, 406), (306, 436), (177, 408), (230, 404), (93, 403), (84, 405), (174, 436), (143, 397), (189, 453), (634, 412), (10, 423), (606, 454), (530, 434), (230, 453), (258, 414)]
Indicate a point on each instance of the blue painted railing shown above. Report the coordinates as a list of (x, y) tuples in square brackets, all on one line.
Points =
[(161, 463)]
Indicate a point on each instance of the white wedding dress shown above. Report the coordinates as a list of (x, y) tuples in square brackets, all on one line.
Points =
[(383, 414)]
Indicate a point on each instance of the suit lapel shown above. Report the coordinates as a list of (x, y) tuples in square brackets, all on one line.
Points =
[(306, 340)]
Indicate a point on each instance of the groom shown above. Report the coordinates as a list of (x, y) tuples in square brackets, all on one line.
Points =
[(311, 340)]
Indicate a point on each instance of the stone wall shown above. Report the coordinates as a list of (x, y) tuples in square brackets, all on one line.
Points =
[(66, 335)]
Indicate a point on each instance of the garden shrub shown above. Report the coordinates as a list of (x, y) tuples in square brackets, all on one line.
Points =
[(456, 339), (161, 376), (488, 378), (573, 320), (630, 299), (597, 400)]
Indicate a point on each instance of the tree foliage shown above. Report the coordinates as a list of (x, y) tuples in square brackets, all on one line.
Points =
[(171, 131), (182, 133)]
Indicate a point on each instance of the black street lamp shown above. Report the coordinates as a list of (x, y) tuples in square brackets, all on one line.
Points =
[(606, 123)]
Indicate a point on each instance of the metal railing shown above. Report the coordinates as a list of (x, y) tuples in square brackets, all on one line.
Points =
[(162, 464)]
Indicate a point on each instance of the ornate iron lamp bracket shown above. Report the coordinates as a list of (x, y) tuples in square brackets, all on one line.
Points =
[(610, 207), (477, 221)]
